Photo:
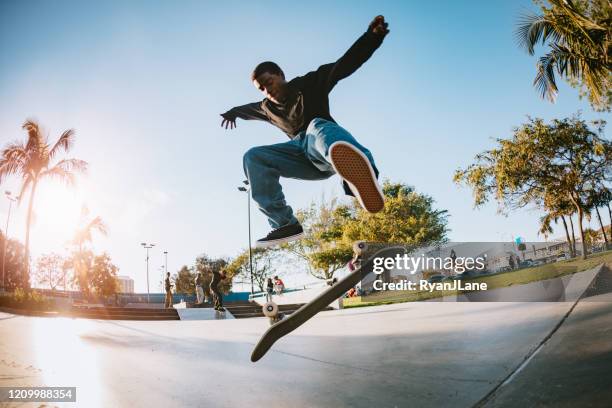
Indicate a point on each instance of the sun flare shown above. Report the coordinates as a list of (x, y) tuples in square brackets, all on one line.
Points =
[(57, 211)]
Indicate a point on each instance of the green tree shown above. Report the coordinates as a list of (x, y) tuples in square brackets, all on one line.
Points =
[(206, 265), (598, 198), (408, 217), (263, 266), (103, 276), (82, 257), (81, 264), (33, 162), (15, 275), (579, 35), (557, 207), (322, 248), (184, 281), (565, 158), (331, 229), (49, 270)]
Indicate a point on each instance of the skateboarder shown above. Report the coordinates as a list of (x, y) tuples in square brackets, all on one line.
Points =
[(168, 300), (214, 288), (318, 148)]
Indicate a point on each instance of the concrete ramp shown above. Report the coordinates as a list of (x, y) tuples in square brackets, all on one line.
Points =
[(426, 354)]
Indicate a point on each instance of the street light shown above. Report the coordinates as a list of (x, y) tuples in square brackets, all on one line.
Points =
[(147, 247), (166, 266), (247, 190), (11, 199)]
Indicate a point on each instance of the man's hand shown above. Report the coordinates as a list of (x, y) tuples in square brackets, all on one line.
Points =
[(378, 26), (229, 122)]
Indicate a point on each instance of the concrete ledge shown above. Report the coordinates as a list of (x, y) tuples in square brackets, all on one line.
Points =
[(203, 314)]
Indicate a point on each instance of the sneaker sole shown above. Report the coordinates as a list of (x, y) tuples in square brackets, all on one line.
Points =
[(354, 167), (267, 244)]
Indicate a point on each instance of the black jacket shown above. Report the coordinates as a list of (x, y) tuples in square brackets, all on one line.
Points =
[(309, 94)]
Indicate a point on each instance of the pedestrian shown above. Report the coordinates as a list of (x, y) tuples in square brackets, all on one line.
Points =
[(168, 300), (199, 290), (269, 290)]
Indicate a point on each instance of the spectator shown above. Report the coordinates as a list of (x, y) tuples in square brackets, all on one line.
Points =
[(279, 285), (269, 290), (168, 300), (199, 290)]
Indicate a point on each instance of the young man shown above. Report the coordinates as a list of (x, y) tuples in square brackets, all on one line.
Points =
[(318, 148), (168, 285)]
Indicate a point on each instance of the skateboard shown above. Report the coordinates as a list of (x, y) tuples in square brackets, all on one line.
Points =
[(365, 253)]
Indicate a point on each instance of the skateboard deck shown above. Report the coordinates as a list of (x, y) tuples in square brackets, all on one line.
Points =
[(364, 254)]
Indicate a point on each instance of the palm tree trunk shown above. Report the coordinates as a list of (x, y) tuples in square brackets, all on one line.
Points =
[(27, 240), (569, 241), (573, 236), (603, 231), (584, 247)]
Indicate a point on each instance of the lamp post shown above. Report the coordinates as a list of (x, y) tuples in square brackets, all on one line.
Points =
[(165, 265), (147, 247), (248, 191), (11, 198)]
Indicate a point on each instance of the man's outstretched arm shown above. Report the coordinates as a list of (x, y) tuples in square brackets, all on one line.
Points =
[(250, 111), (359, 53)]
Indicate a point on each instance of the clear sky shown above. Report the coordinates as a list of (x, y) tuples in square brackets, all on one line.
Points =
[(143, 83)]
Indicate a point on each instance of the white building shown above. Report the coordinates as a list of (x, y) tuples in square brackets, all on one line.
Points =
[(125, 284)]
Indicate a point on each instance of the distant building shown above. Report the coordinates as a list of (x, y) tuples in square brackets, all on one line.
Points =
[(125, 284)]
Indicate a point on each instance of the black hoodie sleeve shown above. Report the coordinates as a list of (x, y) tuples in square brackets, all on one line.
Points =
[(328, 75), (250, 111)]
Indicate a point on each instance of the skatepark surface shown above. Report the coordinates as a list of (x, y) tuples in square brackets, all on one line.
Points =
[(425, 354)]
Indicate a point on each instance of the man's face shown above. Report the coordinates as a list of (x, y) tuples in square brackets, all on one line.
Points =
[(273, 86)]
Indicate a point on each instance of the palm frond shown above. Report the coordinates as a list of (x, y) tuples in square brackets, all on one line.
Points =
[(533, 29), (72, 165), (60, 174), (99, 225), (14, 158), (65, 142), (35, 137), (545, 77)]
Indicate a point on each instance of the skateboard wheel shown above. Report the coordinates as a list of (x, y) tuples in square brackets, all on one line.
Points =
[(359, 247), (270, 309)]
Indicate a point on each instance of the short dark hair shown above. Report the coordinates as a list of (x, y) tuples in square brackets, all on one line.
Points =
[(267, 66)]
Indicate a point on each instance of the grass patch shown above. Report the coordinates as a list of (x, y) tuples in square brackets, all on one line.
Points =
[(26, 300), (500, 280)]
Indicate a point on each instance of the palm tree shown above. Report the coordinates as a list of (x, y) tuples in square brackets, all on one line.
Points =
[(579, 35), (32, 161), (83, 235), (557, 207)]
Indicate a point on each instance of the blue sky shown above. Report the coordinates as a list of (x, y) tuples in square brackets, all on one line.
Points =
[(143, 83)]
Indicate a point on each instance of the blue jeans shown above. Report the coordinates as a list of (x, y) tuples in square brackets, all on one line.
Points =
[(305, 158)]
